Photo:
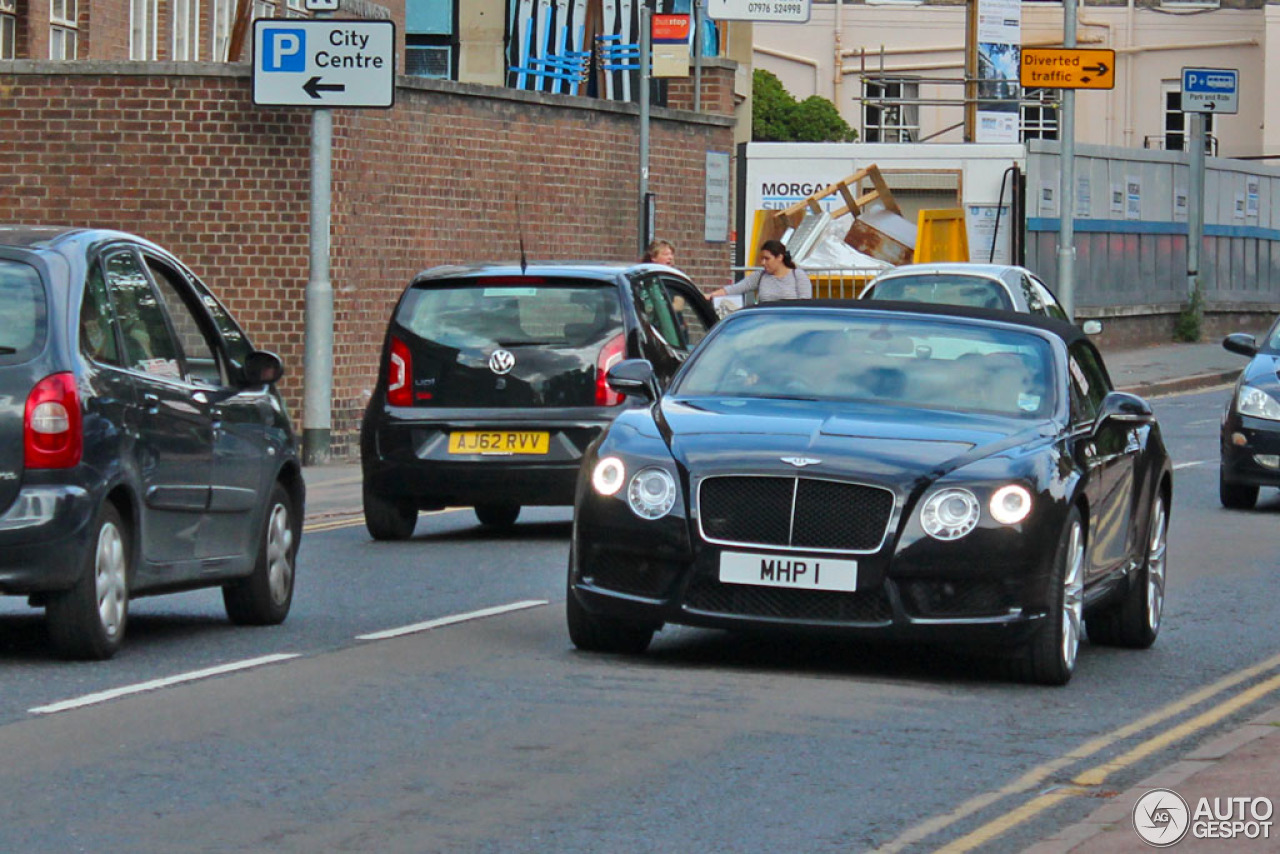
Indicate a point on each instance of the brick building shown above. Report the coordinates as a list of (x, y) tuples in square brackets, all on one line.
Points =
[(112, 114)]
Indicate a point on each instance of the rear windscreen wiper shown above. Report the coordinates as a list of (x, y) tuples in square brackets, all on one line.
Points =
[(7, 351)]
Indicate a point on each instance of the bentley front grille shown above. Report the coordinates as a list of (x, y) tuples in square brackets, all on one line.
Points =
[(794, 512)]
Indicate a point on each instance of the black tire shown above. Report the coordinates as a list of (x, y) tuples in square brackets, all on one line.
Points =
[(388, 519), (264, 597), (604, 634), (1135, 621), (1236, 496), (497, 515), (1049, 658), (89, 620)]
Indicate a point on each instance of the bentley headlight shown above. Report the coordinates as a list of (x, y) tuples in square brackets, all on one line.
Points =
[(1010, 504), (949, 514), (1257, 403), (608, 476), (652, 493)]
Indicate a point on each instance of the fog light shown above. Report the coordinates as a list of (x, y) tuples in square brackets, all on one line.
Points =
[(1270, 461), (1239, 440)]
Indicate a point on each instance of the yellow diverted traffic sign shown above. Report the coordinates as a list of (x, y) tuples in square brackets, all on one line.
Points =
[(1068, 68)]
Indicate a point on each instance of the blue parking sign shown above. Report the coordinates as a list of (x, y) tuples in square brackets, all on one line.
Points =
[(284, 49)]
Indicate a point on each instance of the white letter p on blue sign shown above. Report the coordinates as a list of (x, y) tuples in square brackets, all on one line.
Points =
[(285, 50)]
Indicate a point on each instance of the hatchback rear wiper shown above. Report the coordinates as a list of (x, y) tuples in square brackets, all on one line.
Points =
[(522, 342), (7, 351)]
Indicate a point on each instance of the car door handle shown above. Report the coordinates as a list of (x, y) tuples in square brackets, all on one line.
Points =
[(151, 402), (200, 397)]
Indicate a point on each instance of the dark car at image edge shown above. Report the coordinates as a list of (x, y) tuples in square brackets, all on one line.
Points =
[(491, 381), (143, 446), (1250, 431)]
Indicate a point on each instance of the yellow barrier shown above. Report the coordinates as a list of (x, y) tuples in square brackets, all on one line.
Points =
[(941, 235)]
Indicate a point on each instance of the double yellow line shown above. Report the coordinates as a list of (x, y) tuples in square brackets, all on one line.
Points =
[(1083, 783)]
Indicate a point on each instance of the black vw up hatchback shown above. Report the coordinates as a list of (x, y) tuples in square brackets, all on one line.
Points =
[(492, 382)]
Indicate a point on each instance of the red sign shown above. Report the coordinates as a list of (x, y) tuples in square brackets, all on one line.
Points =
[(671, 28)]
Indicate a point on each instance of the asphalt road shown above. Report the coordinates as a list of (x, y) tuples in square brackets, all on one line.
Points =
[(492, 734)]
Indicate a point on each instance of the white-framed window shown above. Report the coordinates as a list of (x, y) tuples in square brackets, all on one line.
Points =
[(144, 25), (186, 31), (296, 9), (263, 9), (1177, 125), (8, 29), (224, 13), (64, 32), (1039, 113), (889, 113)]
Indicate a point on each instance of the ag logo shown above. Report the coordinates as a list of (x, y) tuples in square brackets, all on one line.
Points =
[(1161, 817), (501, 362)]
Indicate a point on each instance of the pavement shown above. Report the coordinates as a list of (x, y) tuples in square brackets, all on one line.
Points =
[(1244, 762)]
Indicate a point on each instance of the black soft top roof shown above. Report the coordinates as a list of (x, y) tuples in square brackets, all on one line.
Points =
[(1068, 332)]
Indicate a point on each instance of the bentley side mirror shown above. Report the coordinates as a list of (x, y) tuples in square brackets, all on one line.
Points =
[(1242, 343), (1091, 327), (1122, 406), (262, 368), (634, 378)]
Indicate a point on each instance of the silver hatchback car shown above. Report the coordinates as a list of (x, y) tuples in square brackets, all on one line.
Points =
[(1000, 286)]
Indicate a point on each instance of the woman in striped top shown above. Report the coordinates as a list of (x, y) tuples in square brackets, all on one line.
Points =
[(780, 278)]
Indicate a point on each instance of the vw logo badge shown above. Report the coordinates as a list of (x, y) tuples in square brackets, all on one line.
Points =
[(800, 462), (501, 362)]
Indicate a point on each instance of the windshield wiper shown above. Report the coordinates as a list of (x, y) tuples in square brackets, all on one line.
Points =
[(783, 397), (7, 351), (523, 343)]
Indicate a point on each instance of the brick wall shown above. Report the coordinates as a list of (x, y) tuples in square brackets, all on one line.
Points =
[(448, 175)]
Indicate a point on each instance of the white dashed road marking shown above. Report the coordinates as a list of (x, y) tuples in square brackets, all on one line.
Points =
[(456, 618), (114, 693)]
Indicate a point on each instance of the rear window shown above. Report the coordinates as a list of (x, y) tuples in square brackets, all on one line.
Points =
[(23, 312), (945, 289), (472, 315)]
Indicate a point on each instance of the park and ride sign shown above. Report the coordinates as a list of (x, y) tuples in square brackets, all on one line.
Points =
[(323, 63)]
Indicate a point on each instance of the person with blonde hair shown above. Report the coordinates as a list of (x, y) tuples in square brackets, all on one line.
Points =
[(660, 252)]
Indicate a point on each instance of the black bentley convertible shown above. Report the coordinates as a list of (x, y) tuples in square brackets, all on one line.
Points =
[(880, 469)]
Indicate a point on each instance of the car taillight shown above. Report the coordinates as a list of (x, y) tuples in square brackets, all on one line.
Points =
[(400, 375), (51, 434), (610, 355)]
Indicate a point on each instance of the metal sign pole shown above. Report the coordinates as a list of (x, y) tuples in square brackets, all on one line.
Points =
[(646, 23), (317, 357), (1066, 190), (1195, 204), (317, 362)]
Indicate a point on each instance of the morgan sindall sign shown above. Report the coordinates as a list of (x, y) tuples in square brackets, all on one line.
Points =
[(778, 11)]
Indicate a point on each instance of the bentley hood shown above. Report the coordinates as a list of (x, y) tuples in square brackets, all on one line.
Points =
[(873, 442)]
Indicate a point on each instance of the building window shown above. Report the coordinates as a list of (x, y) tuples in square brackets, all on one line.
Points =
[(1177, 127), (63, 33), (220, 33), (144, 23), (186, 31), (430, 38), (263, 9), (887, 115), (1039, 113), (8, 29), (295, 9)]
